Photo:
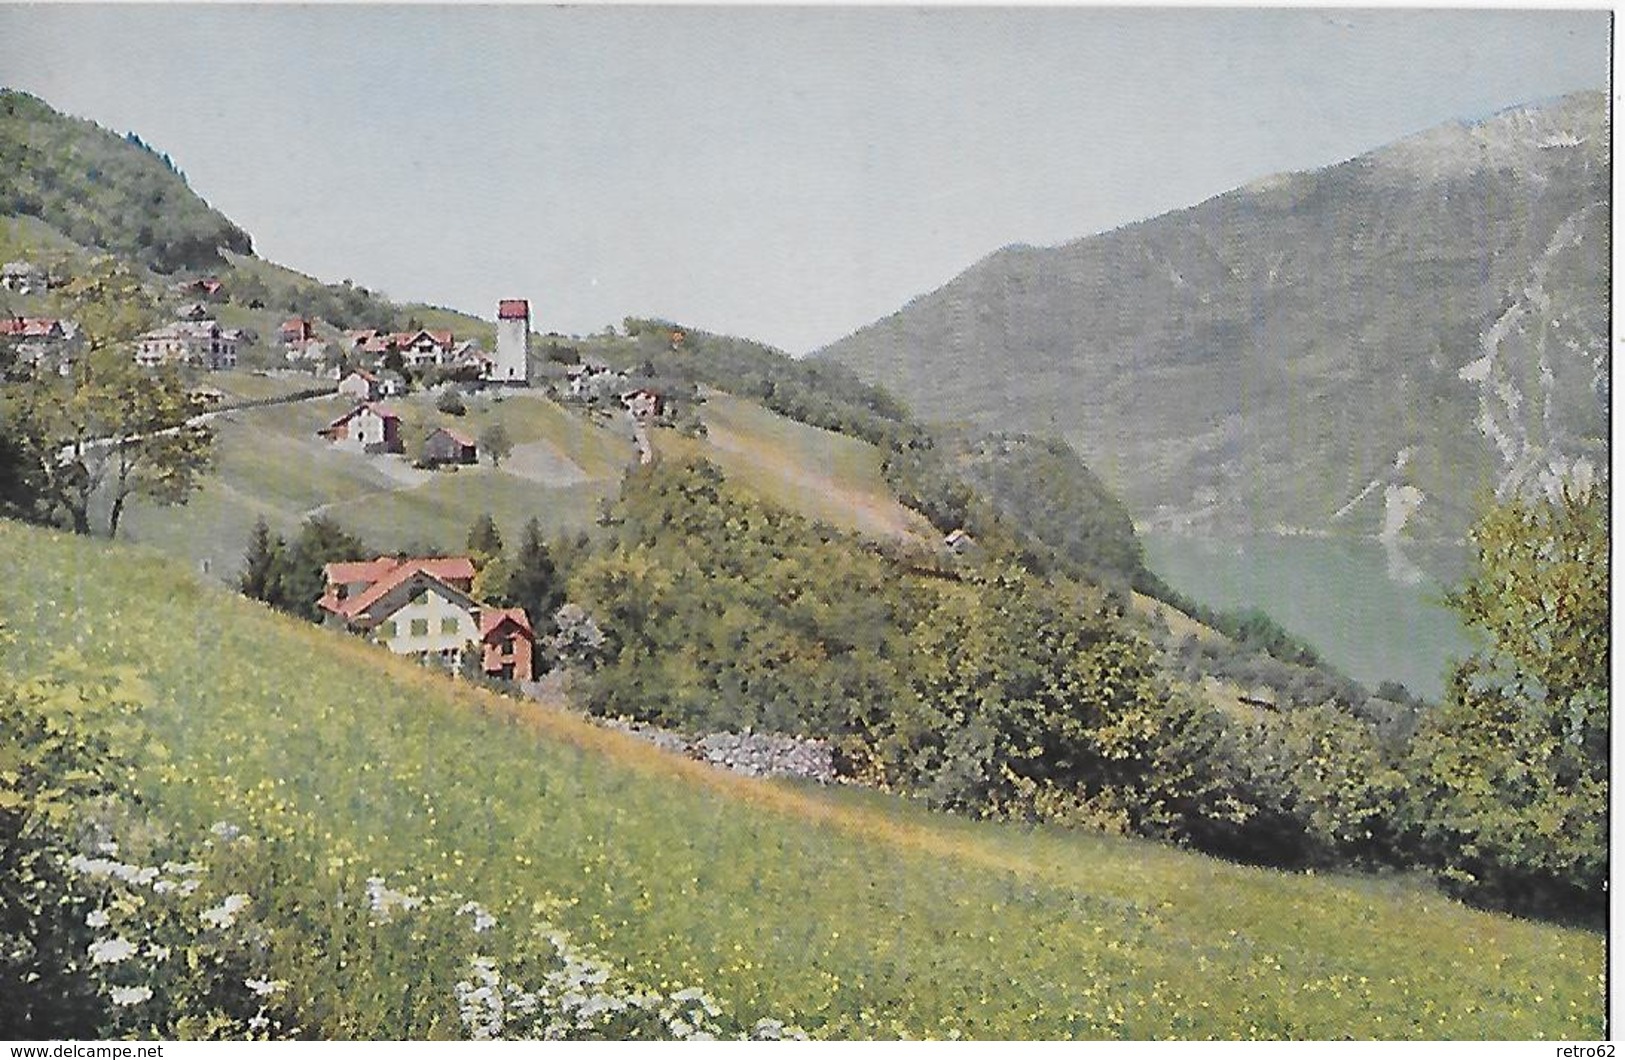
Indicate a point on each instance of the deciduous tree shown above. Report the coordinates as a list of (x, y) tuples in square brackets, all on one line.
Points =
[(1511, 774)]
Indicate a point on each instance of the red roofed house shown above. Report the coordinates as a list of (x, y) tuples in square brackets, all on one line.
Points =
[(415, 606), (447, 446), (360, 385), (367, 427), (369, 341), (509, 644), (296, 330), (423, 348), (41, 341), (19, 328)]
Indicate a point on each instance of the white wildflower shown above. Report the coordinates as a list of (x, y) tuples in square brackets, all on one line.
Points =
[(135, 876), (225, 914), (225, 830), (483, 920), (264, 987), (125, 996), (182, 868), (108, 847), (157, 952), (258, 1021), (384, 901), (111, 951), (96, 918), (95, 868), (163, 886), (187, 887)]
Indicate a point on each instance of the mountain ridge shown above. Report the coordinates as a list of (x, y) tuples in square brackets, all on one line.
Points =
[(1301, 297)]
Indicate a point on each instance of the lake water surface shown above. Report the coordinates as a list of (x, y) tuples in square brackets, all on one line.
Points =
[(1374, 614)]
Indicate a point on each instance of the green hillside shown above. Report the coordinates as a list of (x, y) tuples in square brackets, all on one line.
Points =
[(850, 914), (103, 190), (269, 463), (1431, 315), (821, 474)]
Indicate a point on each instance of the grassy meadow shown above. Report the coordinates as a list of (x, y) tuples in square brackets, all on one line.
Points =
[(821, 474), (850, 913), (269, 462)]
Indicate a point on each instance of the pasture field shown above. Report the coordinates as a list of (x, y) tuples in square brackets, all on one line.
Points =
[(269, 462), (850, 913), (821, 474)]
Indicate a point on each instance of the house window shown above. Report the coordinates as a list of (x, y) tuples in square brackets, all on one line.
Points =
[(421, 598), (386, 630), (448, 625), (420, 627)]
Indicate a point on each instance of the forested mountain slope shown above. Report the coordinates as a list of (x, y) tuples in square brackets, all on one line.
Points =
[(1362, 348)]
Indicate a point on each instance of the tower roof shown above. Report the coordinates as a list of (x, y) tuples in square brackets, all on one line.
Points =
[(513, 309)]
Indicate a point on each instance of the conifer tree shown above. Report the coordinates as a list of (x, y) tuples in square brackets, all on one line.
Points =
[(534, 582), (484, 539), (262, 563)]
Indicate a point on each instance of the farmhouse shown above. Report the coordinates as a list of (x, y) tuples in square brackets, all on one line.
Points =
[(959, 542), (311, 352), (296, 330), (38, 340), (360, 385), (423, 348), (369, 342), (368, 428), (447, 446), (469, 355), (591, 380), (208, 287), (36, 329), (423, 607), (411, 606)]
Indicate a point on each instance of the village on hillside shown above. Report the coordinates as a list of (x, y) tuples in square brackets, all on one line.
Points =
[(419, 606)]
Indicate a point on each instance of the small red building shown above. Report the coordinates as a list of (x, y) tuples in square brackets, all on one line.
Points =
[(509, 643)]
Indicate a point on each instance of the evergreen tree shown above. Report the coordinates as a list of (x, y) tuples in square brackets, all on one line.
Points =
[(534, 582), (299, 578), (262, 563), (484, 540)]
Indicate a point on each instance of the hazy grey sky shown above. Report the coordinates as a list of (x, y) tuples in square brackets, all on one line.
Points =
[(787, 174)]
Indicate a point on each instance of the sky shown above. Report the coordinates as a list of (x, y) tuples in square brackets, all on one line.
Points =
[(779, 173)]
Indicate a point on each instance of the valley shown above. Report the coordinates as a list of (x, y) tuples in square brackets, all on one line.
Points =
[(1107, 581)]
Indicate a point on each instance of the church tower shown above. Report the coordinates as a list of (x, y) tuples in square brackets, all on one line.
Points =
[(513, 342)]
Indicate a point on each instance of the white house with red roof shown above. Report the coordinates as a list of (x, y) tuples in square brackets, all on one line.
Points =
[(513, 342), (369, 428), (418, 606), (360, 385), (424, 348), (423, 607)]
